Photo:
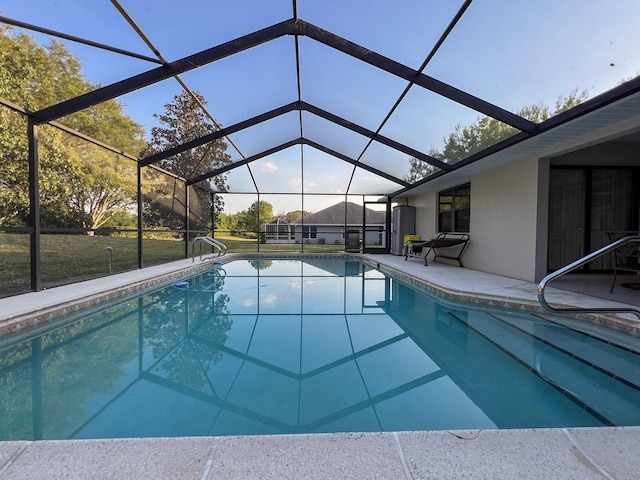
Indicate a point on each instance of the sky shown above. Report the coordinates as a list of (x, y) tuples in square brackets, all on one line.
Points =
[(512, 53)]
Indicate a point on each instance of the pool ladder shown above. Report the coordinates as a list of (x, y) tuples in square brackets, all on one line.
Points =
[(216, 244), (578, 263)]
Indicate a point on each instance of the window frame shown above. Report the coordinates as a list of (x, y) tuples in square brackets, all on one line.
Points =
[(454, 209), (309, 231)]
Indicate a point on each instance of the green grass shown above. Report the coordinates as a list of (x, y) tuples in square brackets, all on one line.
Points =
[(72, 258)]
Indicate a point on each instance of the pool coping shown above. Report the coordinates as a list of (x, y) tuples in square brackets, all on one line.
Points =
[(567, 453), (31, 310)]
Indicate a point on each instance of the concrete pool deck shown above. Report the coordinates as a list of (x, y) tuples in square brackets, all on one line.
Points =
[(580, 453), (573, 453)]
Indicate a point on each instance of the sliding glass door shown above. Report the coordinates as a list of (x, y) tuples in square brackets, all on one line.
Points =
[(585, 204)]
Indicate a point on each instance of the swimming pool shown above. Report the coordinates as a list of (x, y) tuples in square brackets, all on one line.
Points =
[(319, 345)]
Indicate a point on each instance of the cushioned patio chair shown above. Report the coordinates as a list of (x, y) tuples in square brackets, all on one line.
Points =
[(452, 243)]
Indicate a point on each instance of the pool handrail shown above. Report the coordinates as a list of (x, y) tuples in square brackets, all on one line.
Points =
[(216, 244), (578, 263)]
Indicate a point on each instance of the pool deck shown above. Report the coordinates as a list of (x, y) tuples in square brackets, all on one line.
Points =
[(568, 453)]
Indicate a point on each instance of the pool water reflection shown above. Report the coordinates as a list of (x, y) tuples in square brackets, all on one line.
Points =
[(319, 345)]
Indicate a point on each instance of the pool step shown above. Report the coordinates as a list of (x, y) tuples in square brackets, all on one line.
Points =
[(616, 361), (565, 366)]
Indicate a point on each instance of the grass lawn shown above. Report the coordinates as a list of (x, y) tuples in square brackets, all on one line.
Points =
[(72, 258)]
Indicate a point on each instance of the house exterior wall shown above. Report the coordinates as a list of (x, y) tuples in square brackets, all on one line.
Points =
[(334, 235), (508, 219), (504, 220), (331, 234)]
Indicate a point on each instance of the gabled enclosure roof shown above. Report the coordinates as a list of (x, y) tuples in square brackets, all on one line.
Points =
[(337, 96)]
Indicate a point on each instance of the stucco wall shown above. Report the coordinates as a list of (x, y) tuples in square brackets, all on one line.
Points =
[(505, 225), (504, 217)]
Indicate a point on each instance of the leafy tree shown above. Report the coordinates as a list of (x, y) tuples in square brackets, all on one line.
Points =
[(72, 392), (259, 213), (486, 131), (183, 360), (419, 169), (26, 72), (231, 223), (122, 220), (104, 182), (293, 216), (80, 183), (183, 121)]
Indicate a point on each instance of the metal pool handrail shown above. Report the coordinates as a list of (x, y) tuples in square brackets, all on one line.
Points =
[(216, 244), (578, 263)]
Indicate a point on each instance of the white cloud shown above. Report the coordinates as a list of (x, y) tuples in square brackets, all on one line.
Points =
[(295, 182), (268, 166), (268, 299)]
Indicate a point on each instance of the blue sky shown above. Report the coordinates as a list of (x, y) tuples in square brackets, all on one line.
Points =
[(512, 53)]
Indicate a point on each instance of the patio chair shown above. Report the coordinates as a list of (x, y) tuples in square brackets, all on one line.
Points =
[(626, 257), (352, 241), (453, 243)]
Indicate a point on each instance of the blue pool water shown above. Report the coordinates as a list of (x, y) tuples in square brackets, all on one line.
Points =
[(320, 345)]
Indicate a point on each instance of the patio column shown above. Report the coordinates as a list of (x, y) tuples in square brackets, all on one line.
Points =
[(186, 220), (34, 205), (140, 218)]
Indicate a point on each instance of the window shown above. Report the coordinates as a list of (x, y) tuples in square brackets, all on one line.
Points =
[(309, 232), (454, 208)]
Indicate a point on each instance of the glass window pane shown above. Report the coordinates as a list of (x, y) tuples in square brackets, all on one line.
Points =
[(445, 222), (462, 220), (462, 202)]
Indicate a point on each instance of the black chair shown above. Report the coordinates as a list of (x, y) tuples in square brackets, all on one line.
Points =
[(352, 241), (625, 257), (442, 241)]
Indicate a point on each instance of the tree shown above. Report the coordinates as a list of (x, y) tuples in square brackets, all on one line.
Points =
[(26, 78), (183, 121), (230, 223), (293, 216), (258, 214), (80, 183), (419, 169), (486, 131)]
